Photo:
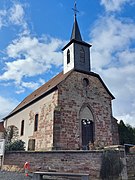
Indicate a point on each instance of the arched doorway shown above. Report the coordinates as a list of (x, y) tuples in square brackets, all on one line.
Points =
[(87, 127)]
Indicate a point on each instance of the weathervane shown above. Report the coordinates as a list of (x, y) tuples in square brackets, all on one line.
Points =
[(75, 9)]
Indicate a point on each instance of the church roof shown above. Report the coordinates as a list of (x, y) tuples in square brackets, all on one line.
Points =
[(49, 87), (41, 92)]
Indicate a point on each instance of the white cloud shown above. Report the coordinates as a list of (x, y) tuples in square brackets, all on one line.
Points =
[(128, 119), (14, 16), (2, 20), (27, 56), (30, 85), (20, 90), (113, 58), (17, 17), (41, 81), (112, 42), (6, 106), (115, 5), (31, 57)]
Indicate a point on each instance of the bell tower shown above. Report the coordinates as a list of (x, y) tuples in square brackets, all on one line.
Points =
[(76, 52)]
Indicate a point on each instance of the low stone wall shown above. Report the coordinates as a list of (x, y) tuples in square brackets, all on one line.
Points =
[(60, 161), (130, 158)]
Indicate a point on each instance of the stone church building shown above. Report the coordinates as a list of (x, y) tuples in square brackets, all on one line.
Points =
[(71, 111)]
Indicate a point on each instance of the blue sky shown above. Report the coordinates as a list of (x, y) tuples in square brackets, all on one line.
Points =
[(32, 34)]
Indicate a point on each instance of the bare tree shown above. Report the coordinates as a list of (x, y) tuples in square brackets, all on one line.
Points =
[(11, 134)]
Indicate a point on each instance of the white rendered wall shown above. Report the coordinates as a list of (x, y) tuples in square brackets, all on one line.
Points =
[(26, 115), (69, 66)]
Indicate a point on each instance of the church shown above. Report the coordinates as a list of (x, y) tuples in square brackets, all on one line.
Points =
[(72, 111)]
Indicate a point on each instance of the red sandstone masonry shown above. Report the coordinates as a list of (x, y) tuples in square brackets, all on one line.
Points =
[(60, 161), (72, 96), (59, 124), (44, 135)]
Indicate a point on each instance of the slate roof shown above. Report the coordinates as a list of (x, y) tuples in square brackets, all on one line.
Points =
[(49, 87), (76, 36), (76, 32)]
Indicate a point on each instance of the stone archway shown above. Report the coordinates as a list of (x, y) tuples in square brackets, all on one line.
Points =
[(86, 127)]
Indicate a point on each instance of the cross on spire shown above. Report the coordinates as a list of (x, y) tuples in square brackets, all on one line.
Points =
[(76, 35), (75, 9)]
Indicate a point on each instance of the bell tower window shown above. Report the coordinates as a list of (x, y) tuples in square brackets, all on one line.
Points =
[(82, 55), (68, 56)]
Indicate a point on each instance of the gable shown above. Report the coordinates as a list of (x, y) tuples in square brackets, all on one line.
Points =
[(75, 81), (49, 87), (100, 80)]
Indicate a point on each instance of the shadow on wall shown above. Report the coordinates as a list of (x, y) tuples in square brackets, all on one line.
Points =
[(111, 166)]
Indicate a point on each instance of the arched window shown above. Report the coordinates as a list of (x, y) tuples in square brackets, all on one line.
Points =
[(82, 55), (87, 133), (87, 127), (36, 123), (68, 56), (22, 128)]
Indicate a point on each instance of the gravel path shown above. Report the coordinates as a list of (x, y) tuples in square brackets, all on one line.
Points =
[(4, 175)]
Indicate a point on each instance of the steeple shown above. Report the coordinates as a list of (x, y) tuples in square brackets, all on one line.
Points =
[(75, 31), (76, 52)]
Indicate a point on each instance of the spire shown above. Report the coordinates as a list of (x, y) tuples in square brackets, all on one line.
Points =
[(76, 52), (75, 31)]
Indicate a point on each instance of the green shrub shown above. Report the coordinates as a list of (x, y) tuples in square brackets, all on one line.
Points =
[(17, 145)]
